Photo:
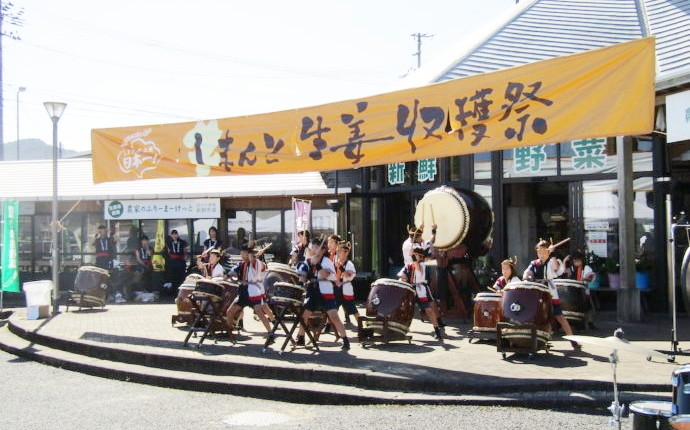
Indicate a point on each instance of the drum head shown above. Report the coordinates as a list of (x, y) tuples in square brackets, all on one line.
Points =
[(444, 207), (652, 408), (94, 269), (487, 296)]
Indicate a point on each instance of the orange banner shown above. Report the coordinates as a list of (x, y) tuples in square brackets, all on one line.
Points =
[(604, 92)]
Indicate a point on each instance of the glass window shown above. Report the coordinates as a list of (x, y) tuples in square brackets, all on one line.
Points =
[(482, 165), (240, 230), (201, 227), (455, 171), (321, 222), (484, 191), (399, 174), (126, 237), (356, 232), (600, 200), (71, 239), (269, 230), (598, 155), (25, 237), (425, 170), (375, 245), (600, 213), (288, 228), (43, 242), (537, 160)]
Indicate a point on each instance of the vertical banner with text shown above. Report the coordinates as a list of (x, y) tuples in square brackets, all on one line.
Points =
[(302, 210), (10, 247)]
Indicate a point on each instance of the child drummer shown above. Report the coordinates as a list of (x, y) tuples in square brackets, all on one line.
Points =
[(508, 275), (415, 274), (582, 272), (548, 266), (345, 273), (251, 272), (323, 296)]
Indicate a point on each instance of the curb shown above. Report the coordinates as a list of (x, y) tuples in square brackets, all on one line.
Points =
[(354, 380), (317, 393)]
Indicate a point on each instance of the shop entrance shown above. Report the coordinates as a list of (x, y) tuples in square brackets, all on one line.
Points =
[(534, 211), (397, 209)]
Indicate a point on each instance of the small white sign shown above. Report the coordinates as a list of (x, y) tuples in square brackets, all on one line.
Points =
[(162, 209), (596, 225), (597, 243), (678, 116)]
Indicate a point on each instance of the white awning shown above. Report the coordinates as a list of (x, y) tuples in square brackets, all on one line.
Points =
[(33, 181)]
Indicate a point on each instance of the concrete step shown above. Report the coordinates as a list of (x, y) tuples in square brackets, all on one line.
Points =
[(293, 391)]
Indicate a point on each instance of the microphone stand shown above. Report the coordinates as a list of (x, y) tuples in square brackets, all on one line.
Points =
[(671, 259), (616, 408)]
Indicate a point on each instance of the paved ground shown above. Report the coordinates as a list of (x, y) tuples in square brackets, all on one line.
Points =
[(35, 396), (147, 328)]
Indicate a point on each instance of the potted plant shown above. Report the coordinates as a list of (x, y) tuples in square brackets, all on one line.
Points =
[(644, 262), (613, 272), (642, 269)]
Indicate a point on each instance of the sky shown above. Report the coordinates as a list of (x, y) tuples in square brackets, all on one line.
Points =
[(130, 63)]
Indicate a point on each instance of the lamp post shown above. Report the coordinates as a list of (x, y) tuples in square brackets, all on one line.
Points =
[(55, 110), (19, 90)]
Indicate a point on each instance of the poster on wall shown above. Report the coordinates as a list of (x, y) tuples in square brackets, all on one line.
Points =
[(597, 243)]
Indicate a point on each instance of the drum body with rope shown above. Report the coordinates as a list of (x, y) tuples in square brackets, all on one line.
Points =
[(209, 288), (486, 312), (182, 302), (230, 291), (277, 272), (650, 415), (526, 312), (90, 287), (287, 294), (390, 305), (462, 217), (573, 296)]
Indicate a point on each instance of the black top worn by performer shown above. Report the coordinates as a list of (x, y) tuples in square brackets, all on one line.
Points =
[(105, 248), (176, 265)]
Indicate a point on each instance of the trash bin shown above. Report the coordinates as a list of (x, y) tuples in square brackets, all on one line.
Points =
[(38, 299)]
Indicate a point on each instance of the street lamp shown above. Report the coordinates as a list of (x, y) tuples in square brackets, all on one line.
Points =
[(55, 110), (19, 90)]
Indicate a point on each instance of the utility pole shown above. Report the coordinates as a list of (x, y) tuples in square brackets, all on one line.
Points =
[(418, 54), (12, 16)]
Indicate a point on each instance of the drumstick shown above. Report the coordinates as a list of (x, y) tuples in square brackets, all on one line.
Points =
[(433, 220), (562, 242), (492, 289)]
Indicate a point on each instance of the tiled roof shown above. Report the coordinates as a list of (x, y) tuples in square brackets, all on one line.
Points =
[(32, 181), (543, 29)]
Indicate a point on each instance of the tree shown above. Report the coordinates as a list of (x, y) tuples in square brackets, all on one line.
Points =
[(10, 20)]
